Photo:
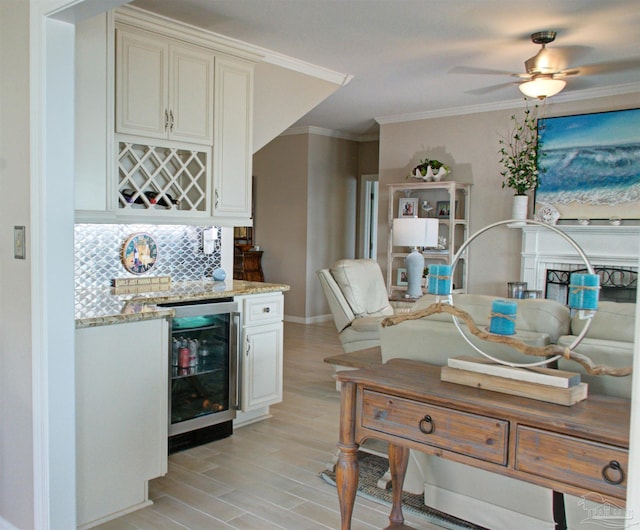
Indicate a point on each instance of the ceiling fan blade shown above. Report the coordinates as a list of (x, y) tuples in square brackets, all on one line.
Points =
[(608, 68), (477, 71), (487, 89)]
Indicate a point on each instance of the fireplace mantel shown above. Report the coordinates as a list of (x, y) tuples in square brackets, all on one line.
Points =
[(542, 249)]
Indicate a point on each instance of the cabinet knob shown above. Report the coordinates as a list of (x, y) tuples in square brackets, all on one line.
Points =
[(612, 473), (426, 425), (266, 309)]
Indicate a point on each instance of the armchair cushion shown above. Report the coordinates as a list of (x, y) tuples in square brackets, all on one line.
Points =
[(363, 287)]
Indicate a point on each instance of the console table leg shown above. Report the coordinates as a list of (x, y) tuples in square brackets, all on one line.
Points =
[(347, 465), (398, 460)]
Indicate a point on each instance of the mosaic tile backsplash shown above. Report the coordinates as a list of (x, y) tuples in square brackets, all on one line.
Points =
[(97, 250)]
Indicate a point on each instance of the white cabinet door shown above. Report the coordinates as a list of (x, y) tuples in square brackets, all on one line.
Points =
[(262, 366), (121, 415), (164, 89), (232, 138), (191, 95), (142, 99)]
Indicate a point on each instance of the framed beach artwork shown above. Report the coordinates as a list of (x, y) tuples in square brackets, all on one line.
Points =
[(589, 165)]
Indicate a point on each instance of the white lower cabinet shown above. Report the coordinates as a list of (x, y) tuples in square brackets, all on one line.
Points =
[(262, 351), (121, 416), (262, 374)]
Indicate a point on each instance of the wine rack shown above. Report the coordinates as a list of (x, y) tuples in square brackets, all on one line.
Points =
[(154, 177)]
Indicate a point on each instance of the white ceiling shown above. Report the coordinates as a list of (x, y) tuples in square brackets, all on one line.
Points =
[(414, 56)]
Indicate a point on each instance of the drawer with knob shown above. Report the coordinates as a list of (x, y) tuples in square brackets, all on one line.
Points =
[(263, 309), (468, 434), (583, 463)]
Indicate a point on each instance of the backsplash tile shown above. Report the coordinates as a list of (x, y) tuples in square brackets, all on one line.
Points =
[(97, 250)]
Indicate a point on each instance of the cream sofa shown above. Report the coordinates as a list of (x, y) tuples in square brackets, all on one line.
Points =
[(487, 499)]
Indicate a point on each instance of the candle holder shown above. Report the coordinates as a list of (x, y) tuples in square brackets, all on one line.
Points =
[(569, 240)]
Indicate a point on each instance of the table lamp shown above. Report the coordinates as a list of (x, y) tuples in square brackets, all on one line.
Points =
[(415, 232)]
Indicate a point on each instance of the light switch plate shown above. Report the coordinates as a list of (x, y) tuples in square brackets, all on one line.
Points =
[(19, 251)]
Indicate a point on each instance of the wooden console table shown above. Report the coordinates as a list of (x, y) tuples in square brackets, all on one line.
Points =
[(404, 403)]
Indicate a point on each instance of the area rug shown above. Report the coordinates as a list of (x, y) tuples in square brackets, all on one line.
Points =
[(372, 467)]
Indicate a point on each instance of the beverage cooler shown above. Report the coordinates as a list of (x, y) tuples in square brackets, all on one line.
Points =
[(203, 372)]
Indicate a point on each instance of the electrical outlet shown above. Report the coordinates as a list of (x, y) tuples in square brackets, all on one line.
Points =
[(209, 237)]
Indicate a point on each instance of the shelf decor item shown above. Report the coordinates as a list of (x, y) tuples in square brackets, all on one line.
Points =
[(430, 170), (415, 232), (519, 151), (407, 207)]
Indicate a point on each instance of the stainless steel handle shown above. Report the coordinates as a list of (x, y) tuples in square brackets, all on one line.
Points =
[(237, 319)]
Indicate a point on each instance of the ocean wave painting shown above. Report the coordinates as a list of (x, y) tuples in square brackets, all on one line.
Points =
[(590, 160)]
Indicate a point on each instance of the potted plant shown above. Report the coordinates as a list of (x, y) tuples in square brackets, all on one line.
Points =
[(519, 150), (428, 170)]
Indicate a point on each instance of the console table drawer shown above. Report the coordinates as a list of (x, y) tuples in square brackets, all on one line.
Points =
[(480, 437), (575, 461)]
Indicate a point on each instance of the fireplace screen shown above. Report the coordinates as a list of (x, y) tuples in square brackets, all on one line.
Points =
[(616, 284)]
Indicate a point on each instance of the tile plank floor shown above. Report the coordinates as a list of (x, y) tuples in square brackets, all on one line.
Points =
[(266, 476)]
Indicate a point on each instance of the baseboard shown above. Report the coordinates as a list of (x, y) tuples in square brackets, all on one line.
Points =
[(310, 320), (5, 525), (479, 512)]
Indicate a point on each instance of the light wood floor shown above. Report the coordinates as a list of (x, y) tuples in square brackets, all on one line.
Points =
[(266, 476)]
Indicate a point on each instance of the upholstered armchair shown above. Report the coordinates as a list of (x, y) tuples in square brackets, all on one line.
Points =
[(358, 300)]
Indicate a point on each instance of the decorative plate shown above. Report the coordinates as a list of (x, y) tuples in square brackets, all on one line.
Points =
[(547, 214), (139, 253)]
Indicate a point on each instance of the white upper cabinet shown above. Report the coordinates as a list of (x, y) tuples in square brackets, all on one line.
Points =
[(233, 140), (164, 122), (164, 89)]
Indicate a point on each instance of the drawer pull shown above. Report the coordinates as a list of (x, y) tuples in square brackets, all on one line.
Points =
[(427, 426), (611, 470), (266, 309)]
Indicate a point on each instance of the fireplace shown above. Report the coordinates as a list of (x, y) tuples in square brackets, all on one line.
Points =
[(613, 251), (617, 284)]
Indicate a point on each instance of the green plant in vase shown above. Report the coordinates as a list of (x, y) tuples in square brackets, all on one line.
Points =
[(519, 152)]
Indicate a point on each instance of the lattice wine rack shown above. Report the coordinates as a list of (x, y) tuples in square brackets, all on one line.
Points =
[(162, 178)]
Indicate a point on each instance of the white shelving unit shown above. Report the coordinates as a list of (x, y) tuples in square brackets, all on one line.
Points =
[(442, 197)]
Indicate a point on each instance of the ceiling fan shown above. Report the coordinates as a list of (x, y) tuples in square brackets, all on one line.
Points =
[(546, 71), (544, 74)]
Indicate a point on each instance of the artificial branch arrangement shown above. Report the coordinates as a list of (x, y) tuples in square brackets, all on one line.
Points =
[(519, 150)]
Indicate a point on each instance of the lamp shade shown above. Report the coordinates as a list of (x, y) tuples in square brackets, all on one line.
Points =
[(542, 87), (415, 232)]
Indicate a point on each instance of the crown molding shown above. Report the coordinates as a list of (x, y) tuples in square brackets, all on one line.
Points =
[(311, 129), (303, 67), (179, 30), (615, 90)]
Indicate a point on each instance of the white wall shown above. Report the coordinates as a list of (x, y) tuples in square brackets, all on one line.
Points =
[(16, 415)]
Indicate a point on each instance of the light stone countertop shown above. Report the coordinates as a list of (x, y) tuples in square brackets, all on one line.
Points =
[(102, 307)]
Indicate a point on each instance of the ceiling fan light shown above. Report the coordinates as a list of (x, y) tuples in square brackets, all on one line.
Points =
[(542, 87)]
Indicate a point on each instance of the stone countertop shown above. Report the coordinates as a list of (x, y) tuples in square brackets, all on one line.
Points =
[(105, 306)]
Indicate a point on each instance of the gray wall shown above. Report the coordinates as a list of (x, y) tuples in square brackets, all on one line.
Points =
[(306, 204)]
